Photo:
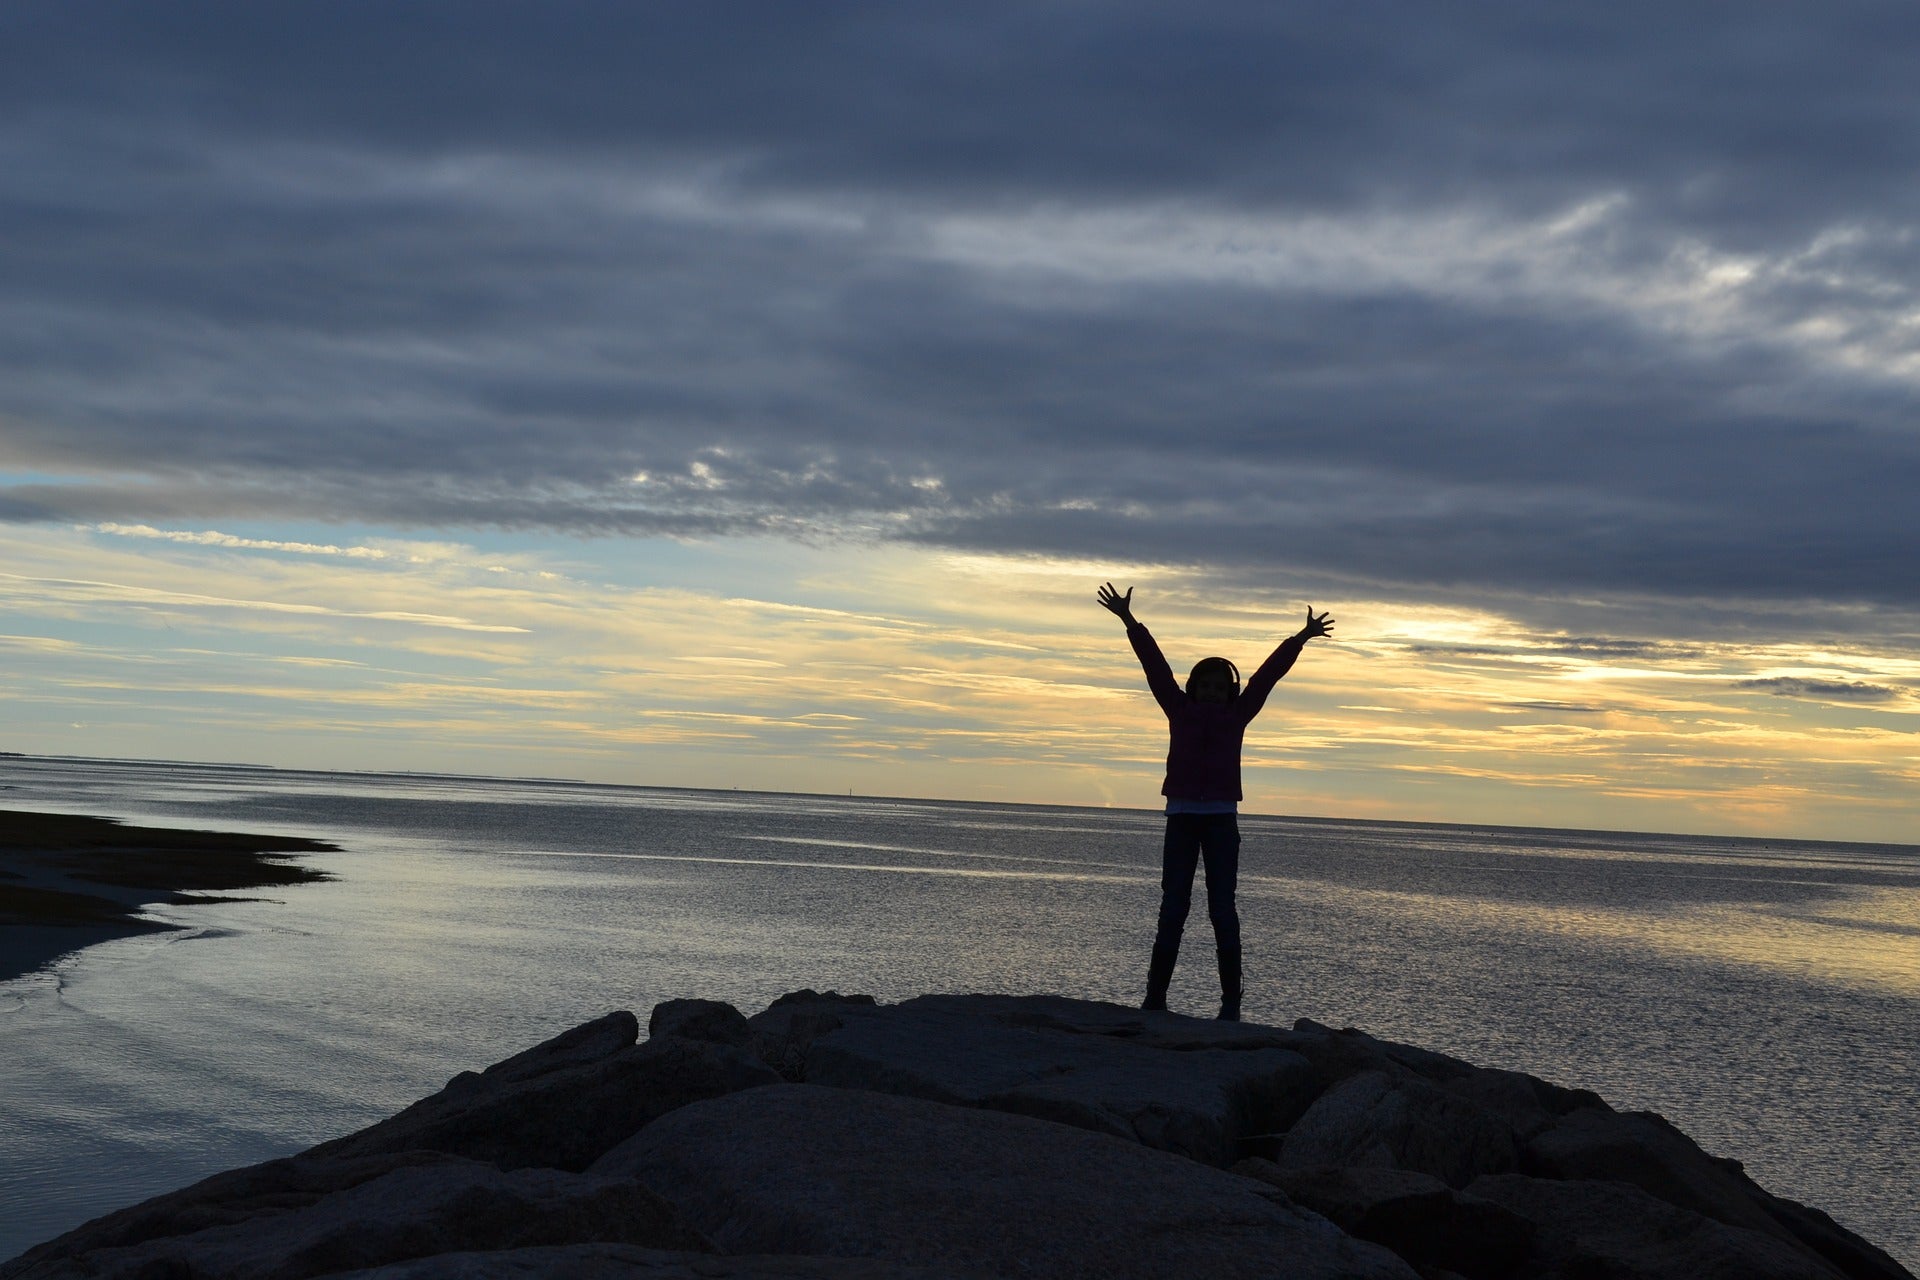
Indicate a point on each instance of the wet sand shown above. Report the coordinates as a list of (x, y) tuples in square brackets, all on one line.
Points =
[(68, 882)]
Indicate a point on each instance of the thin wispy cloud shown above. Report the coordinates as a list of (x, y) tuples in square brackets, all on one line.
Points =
[(86, 591), (214, 538)]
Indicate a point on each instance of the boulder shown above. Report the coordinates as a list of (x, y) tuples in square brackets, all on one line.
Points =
[(1853, 1257), (714, 1021), (629, 1262), (1381, 1121), (1158, 1030), (1431, 1225), (1615, 1231), (809, 1170), (1527, 1103), (1644, 1149), (410, 1212), (563, 1117), (783, 1030), (1074, 1062), (587, 1043), (238, 1195)]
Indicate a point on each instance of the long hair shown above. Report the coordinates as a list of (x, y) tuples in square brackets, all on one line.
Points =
[(1214, 664)]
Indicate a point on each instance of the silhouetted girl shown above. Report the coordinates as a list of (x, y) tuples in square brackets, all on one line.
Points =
[(1206, 724)]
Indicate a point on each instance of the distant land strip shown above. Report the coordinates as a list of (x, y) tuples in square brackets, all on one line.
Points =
[(69, 881)]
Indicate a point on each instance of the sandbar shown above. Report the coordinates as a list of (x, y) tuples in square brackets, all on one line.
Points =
[(68, 881)]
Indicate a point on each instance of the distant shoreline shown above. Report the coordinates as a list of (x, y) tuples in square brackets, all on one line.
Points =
[(1150, 804), (68, 881)]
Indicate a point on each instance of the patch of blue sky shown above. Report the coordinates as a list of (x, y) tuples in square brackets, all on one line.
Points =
[(10, 478), (761, 568)]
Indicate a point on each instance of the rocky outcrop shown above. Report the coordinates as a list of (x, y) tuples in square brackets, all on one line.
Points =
[(1616, 1229), (1054, 1060), (419, 1210), (832, 1136), (561, 1104), (1646, 1151), (627, 1262), (1419, 1217), (1373, 1120), (803, 1169)]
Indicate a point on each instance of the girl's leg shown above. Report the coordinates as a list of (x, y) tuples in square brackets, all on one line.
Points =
[(1220, 846), (1179, 855)]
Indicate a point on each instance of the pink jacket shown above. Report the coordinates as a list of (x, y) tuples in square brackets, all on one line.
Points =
[(1203, 752)]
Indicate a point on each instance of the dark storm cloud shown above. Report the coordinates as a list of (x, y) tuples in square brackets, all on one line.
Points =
[(1627, 309), (1822, 690), (1762, 114)]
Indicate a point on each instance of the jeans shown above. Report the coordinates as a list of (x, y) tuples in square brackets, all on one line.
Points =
[(1191, 838)]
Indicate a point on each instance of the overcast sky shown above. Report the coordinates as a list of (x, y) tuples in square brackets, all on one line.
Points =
[(1556, 348)]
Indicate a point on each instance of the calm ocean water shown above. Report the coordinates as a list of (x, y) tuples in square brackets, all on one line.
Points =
[(1764, 995)]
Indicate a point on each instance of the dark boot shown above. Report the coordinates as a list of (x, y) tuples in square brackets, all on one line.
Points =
[(1229, 984), (1159, 975)]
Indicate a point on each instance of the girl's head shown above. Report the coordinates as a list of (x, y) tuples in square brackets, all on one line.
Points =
[(1213, 680)]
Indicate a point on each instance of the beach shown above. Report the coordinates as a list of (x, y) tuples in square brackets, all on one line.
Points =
[(68, 881)]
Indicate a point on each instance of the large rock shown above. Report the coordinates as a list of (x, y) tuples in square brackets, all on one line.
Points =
[(945, 1152), (810, 1170), (1614, 1231), (1568, 1134), (627, 1262), (1379, 1121), (587, 1043), (1419, 1217), (783, 1030), (714, 1021), (1645, 1150), (410, 1212), (236, 1196), (1526, 1103), (1074, 1062), (1158, 1030), (1852, 1256), (562, 1106)]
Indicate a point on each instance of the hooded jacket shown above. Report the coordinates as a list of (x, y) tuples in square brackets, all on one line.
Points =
[(1203, 750)]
